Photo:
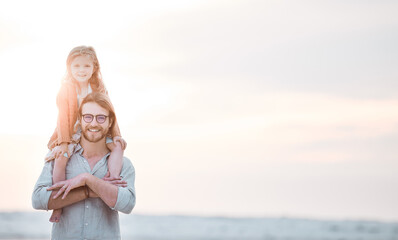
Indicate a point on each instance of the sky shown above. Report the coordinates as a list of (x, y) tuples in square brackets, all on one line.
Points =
[(229, 108)]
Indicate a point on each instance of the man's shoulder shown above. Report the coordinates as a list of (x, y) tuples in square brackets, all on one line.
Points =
[(128, 168), (127, 162)]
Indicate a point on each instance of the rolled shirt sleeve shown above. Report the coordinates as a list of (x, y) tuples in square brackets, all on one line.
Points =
[(126, 196), (40, 195)]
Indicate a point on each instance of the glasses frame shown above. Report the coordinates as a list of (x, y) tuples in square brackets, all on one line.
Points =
[(94, 117)]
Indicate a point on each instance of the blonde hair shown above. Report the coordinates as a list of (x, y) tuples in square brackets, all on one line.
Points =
[(96, 79)]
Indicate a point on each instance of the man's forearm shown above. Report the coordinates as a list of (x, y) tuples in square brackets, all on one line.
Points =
[(75, 195), (106, 191)]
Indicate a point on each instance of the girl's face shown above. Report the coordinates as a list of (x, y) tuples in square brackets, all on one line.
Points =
[(82, 68)]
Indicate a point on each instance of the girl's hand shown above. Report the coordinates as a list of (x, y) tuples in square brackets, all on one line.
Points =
[(122, 142), (67, 185)]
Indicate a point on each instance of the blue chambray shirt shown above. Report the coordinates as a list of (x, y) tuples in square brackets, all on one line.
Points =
[(90, 218)]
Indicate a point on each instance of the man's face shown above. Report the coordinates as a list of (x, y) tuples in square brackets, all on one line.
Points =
[(94, 131)]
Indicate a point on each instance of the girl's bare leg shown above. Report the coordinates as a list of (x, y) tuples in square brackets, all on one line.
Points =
[(115, 160), (58, 175)]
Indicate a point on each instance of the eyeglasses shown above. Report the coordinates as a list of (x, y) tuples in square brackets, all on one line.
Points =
[(88, 118)]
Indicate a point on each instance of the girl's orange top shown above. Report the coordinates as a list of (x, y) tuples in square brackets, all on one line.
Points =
[(67, 116)]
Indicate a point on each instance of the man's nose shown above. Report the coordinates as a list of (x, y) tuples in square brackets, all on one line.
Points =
[(94, 122)]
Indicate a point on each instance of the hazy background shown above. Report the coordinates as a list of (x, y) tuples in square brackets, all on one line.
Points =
[(230, 108)]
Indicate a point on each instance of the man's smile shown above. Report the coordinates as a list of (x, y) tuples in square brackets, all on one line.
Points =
[(93, 130)]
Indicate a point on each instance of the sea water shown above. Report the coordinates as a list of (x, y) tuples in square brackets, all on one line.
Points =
[(35, 225)]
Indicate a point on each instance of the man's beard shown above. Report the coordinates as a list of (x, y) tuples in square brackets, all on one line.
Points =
[(94, 136)]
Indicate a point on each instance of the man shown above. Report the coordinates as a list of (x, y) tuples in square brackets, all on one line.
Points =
[(89, 199)]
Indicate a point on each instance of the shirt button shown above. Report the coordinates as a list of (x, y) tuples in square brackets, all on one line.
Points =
[(86, 206), (86, 224)]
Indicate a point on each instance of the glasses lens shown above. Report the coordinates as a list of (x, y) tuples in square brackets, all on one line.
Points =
[(88, 118), (101, 118)]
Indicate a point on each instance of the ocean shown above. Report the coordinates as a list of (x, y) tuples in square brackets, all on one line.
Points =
[(35, 225)]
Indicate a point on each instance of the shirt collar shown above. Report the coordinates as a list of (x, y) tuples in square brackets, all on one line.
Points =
[(79, 149)]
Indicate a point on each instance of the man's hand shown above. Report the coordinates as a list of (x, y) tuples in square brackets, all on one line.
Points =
[(67, 185)]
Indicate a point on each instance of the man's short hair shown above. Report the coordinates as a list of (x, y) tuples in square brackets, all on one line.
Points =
[(102, 100)]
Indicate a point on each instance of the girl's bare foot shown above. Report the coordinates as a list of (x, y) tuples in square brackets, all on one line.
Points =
[(56, 215)]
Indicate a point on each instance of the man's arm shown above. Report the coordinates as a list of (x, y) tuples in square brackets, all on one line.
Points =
[(43, 199), (76, 195), (117, 194), (104, 190), (126, 197), (40, 194), (73, 190)]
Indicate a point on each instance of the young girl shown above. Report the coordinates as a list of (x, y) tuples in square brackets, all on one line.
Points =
[(82, 77)]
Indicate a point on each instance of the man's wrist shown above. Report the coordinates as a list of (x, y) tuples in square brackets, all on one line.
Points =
[(89, 193), (85, 178), (86, 188), (86, 191)]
